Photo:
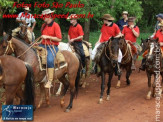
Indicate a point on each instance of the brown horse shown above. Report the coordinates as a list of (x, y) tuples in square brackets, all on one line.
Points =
[(13, 73), (153, 66), (126, 62), (11, 45), (107, 63)]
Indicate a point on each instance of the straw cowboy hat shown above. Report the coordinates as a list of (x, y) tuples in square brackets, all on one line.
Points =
[(131, 19), (160, 24), (125, 12), (72, 16), (47, 11), (26, 8), (107, 17)]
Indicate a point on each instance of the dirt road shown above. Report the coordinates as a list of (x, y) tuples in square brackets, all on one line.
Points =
[(127, 104)]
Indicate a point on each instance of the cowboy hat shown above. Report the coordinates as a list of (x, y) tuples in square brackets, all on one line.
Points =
[(160, 24), (72, 16), (47, 11), (131, 19), (26, 8), (107, 17), (125, 12), (160, 15)]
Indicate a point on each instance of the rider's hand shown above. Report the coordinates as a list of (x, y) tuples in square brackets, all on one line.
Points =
[(45, 37), (72, 40), (23, 21)]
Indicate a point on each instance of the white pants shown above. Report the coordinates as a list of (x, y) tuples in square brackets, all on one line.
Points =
[(95, 50)]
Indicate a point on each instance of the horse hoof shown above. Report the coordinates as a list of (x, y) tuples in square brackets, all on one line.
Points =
[(108, 98), (67, 110), (148, 97), (100, 101)]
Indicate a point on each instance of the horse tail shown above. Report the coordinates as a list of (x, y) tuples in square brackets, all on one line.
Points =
[(77, 80), (1, 70), (29, 86)]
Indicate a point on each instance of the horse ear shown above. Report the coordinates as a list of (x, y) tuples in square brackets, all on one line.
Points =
[(9, 38), (157, 40)]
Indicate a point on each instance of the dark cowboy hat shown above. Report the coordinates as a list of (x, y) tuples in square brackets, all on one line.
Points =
[(107, 17), (131, 19)]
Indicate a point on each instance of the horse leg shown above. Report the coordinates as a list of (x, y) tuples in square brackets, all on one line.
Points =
[(20, 95), (149, 87), (109, 85), (119, 82), (10, 94), (87, 71), (42, 91), (128, 73), (72, 93), (102, 87), (66, 85), (59, 89)]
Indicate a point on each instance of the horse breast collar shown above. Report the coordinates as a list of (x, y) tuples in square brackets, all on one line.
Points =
[(9, 45)]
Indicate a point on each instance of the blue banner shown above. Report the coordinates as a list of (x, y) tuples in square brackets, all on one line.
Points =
[(17, 112)]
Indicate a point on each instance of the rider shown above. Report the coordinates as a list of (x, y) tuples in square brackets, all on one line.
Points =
[(75, 35), (25, 18), (159, 36), (159, 20), (123, 22), (131, 32), (51, 35), (108, 30)]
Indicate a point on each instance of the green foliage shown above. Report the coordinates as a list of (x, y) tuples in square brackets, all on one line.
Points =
[(6, 6)]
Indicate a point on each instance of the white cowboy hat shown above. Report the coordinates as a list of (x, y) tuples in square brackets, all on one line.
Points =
[(47, 11), (125, 12), (26, 8), (72, 16)]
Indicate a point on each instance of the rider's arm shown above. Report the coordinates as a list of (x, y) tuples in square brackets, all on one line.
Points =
[(68, 38), (79, 37), (119, 35), (51, 38), (136, 33), (161, 43), (33, 26), (18, 19)]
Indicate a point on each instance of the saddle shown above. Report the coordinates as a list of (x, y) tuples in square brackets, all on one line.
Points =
[(86, 46), (59, 61)]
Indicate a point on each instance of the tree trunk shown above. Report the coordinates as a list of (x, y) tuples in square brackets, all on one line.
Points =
[(86, 29), (1, 26)]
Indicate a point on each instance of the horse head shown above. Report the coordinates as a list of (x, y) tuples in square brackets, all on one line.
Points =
[(144, 44), (23, 31), (113, 47), (154, 47), (4, 44)]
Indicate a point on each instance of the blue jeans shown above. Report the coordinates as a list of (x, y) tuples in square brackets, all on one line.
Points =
[(50, 57), (81, 51)]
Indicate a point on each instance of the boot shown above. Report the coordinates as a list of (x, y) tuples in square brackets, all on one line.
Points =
[(133, 61), (133, 65), (142, 67), (50, 77)]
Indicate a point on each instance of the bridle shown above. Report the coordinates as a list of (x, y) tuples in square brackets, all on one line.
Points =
[(9, 46), (129, 57)]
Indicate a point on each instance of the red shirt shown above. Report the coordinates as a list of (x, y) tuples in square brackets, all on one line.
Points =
[(159, 35), (109, 31), (75, 31), (129, 35), (51, 29)]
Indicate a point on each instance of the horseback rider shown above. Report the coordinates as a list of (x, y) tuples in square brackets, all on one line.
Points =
[(159, 20), (131, 33), (51, 35), (108, 30), (123, 22), (159, 36), (75, 35), (25, 18)]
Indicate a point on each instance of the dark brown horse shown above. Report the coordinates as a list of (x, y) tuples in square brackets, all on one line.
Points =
[(126, 62), (107, 63), (11, 45), (153, 66), (13, 73)]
